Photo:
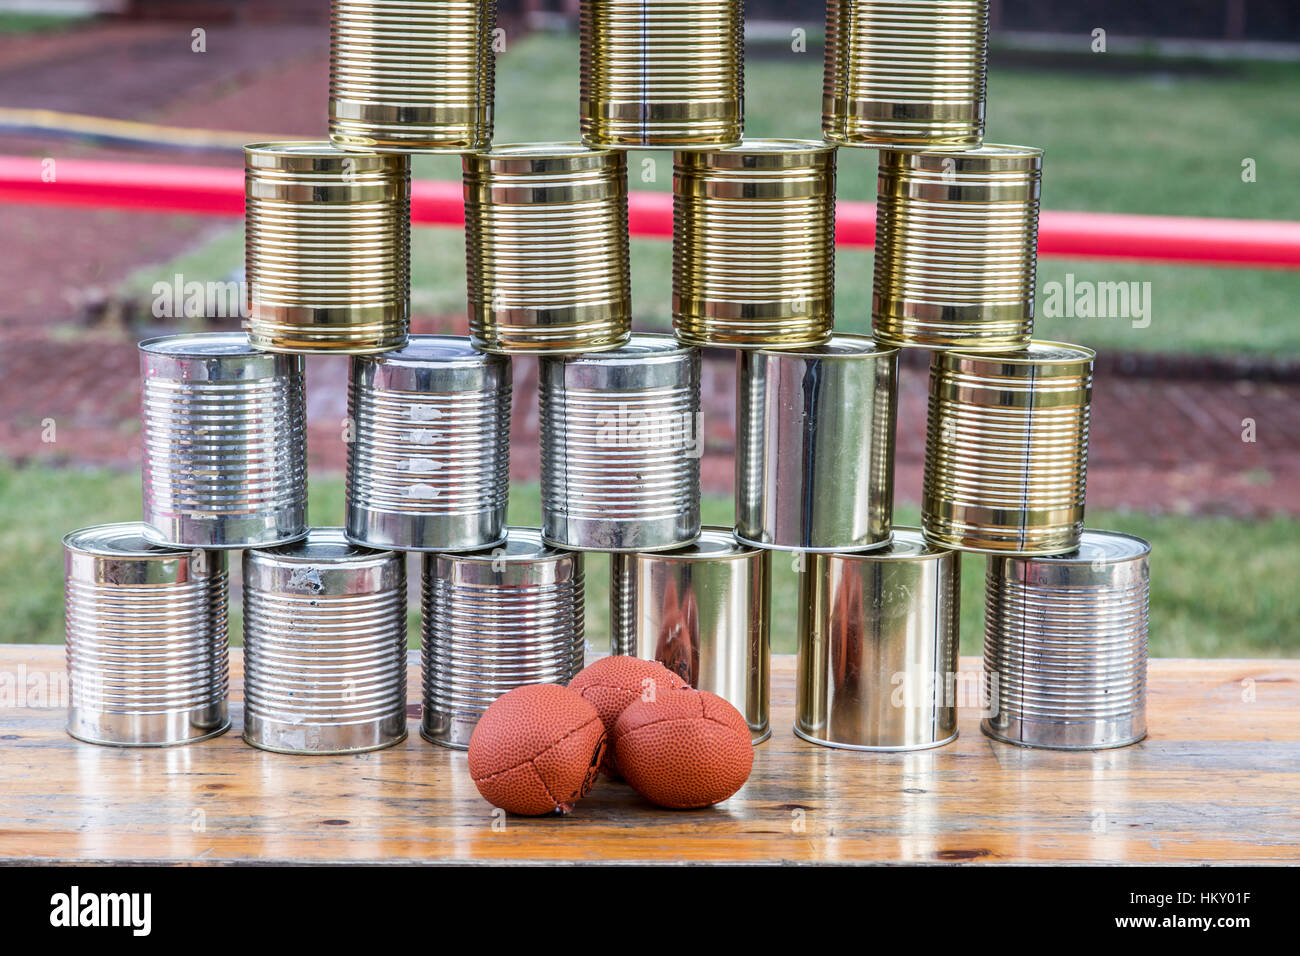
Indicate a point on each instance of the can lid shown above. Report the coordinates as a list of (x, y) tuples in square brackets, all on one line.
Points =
[(905, 544), (838, 346), (714, 542), (1097, 547), (539, 157), (122, 540), (640, 348), (767, 153), (442, 350), (318, 155), (522, 545), (1037, 352), (322, 545), (199, 345), (988, 157)]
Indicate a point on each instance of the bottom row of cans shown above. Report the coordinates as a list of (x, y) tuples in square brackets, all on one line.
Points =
[(325, 624)]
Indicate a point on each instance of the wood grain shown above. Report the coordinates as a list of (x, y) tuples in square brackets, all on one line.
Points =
[(1217, 780)]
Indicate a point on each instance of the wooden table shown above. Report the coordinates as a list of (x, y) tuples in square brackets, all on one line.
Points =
[(1217, 780)]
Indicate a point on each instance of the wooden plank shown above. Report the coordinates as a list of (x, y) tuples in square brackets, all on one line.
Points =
[(1216, 781)]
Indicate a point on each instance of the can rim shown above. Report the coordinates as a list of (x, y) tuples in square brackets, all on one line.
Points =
[(295, 552), (96, 540), (769, 145), (910, 534), (639, 347), (205, 345), (876, 349), (566, 149), (709, 533), (408, 355), (1025, 357), (982, 151), (542, 550), (1090, 535)]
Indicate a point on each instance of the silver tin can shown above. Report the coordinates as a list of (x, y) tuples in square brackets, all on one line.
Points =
[(702, 612), (146, 639), (493, 621), (429, 449), (1065, 645), (878, 640), (324, 646), (620, 441), (815, 455), (225, 450)]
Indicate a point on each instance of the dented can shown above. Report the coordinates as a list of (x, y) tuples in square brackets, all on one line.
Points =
[(224, 436), (1006, 449), (754, 244), (703, 612), (429, 448), (905, 73), (546, 248), (493, 621), (412, 75), (957, 248), (1065, 645), (878, 641), (146, 639), (324, 646), (668, 74)]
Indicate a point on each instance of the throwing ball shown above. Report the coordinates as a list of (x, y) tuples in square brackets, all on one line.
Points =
[(612, 683), (687, 748), (536, 749)]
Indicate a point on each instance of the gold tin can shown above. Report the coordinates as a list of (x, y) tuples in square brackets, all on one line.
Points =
[(1006, 449), (327, 248), (546, 248), (667, 73), (905, 73), (412, 76), (957, 248), (754, 244)]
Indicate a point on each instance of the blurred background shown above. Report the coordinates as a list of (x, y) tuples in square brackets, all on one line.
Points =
[(1191, 108)]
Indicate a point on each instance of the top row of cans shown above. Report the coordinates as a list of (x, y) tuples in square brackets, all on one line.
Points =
[(408, 76)]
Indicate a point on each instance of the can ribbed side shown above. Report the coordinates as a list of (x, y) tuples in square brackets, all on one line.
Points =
[(481, 640), (225, 463), (407, 75), (905, 72), (754, 245), (147, 664), (1065, 666), (956, 248), (661, 74)]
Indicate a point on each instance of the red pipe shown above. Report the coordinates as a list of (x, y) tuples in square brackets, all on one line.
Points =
[(219, 191)]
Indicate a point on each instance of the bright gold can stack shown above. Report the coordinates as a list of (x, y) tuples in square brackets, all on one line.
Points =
[(327, 248), (412, 76), (754, 245), (957, 248), (546, 248), (1007, 449), (905, 73), (667, 73)]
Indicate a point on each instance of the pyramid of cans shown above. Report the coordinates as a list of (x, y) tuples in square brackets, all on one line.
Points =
[(546, 231)]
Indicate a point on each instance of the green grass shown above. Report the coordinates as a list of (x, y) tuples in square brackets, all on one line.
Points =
[(1219, 587), (37, 22)]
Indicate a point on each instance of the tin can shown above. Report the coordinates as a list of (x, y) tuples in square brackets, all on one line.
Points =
[(878, 640), (224, 434), (905, 73), (429, 455), (815, 446), (326, 248), (324, 646), (1065, 645), (957, 248), (1006, 449), (546, 248), (493, 621), (668, 74), (754, 244), (146, 639), (412, 75), (620, 443), (702, 612)]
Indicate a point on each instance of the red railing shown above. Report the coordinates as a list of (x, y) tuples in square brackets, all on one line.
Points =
[(219, 191)]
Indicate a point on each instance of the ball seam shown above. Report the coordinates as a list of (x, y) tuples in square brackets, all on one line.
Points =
[(667, 720), (549, 747)]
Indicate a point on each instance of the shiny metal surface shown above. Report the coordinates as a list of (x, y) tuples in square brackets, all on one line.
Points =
[(493, 621), (620, 447), (429, 455), (957, 248), (905, 72), (754, 244), (878, 640), (1065, 645), (1006, 449), (702, 611), (225, 452), (146, 639), (815, 453), (546, 248), (667, 73), (412, 75), (324, 646), (327, 248)]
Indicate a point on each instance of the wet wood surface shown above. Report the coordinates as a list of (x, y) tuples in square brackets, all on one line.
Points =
[(1218, 780)]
